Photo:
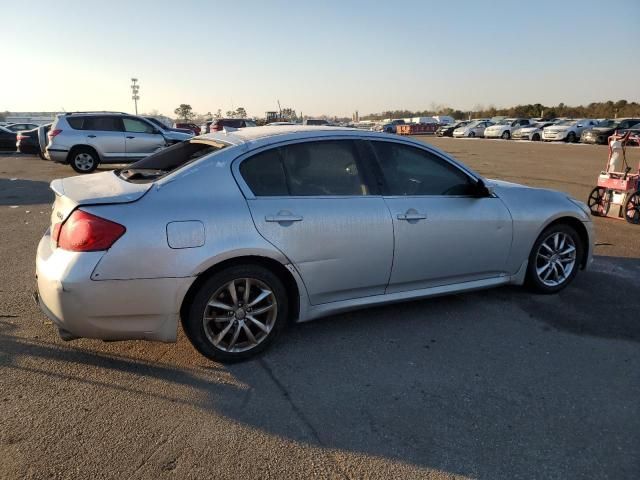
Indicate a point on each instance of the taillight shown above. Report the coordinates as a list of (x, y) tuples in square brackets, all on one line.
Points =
[(53, 133), (84, 232)]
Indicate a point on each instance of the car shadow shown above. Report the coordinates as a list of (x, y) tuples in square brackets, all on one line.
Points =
[(472, 384), (24, 192)]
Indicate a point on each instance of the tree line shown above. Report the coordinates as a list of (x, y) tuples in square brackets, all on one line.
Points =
[(609, 109)]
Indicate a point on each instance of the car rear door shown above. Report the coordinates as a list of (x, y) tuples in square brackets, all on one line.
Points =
[(104, 133), (444, 232), (141, 138), (311, 201)]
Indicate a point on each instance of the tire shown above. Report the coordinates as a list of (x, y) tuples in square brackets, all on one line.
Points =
[(544, 275), (535, 137), (571, 137), (632, 209), (472, 134), (219, 332), (599, 202), (506, 135), (83, 160)]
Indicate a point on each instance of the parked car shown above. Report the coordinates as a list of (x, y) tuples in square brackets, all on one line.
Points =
[(503, 128), (473, 129), (188, 126), (7, 139), (206, 127), (531, 132), (84, 140), (567, 130), (16, 127), (220, 123), (390, 127), (162, 126), (33, 141), (315, 121), (447, 130), (603, 130), (276, 238)]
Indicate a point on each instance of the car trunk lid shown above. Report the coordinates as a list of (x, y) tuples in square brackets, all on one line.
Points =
[(96, 189)]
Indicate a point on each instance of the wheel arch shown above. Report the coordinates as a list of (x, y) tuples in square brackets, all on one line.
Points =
[(83, 146), (579, 227), (285, 276)]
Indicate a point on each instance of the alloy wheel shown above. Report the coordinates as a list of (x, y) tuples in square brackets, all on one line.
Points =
[(240, 315), (556, 259)]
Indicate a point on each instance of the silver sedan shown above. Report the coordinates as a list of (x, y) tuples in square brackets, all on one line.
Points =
[(238, 232)]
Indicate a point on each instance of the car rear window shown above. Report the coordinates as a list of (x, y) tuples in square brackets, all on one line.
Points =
[(168, 160)]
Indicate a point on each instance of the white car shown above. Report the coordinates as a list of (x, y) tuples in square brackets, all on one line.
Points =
[(473, 129), (531, 132), (567, 130), (504, 128)]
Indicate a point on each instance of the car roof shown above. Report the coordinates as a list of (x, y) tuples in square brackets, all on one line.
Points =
[(282, 132)]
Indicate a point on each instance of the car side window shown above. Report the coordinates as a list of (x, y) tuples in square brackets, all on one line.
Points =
[(105, 124), (133, 125), (323, 168), (412, 171), (264, 174)]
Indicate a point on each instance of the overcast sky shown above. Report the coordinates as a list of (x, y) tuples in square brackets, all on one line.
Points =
[(319, 57)]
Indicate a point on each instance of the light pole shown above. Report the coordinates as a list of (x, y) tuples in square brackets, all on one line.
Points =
[(134, 90)]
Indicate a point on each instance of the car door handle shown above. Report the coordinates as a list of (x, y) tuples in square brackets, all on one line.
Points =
[(411, 216), (130, 136), (283, 218), (91, 136)]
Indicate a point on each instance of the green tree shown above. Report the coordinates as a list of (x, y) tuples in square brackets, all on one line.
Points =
[(184, 111)]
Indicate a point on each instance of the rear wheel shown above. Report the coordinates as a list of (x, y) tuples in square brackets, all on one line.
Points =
[(632, 209), (83, 160), (472, 134), (236, 313), (536, 137), (599, 202), (506, 135), (554, 259), (571, 137)]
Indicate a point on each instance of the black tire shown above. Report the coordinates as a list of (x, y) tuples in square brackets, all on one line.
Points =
[(533, 278), (194, 323), (535, 137), (472, 134), (599, 202), (506, 135), (83, 159), (632, 209), (571, 137)]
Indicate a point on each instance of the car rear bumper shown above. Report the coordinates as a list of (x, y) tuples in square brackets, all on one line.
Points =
[(56, 155), (106, 309)]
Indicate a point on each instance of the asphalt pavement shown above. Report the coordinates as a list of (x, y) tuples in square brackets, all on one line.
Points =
[(499, 384)]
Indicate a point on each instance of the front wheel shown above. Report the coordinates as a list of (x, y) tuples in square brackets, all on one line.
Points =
[(554, 259), (632, 209), (571, 137), (599, 202), (472, 134), (506, 135), (535, 137), (236, 313)]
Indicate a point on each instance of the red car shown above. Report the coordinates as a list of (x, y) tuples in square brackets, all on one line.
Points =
[(189, 126)]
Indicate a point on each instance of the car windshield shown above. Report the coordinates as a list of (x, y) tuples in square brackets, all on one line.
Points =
[(506, 121), (157, 122), (159, 164), (608, 124), (567, 122)]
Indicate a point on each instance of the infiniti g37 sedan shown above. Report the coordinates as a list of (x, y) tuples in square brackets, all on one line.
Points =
[(235, 233)]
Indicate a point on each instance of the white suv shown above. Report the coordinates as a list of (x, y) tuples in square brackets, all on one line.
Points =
[(84, 140)]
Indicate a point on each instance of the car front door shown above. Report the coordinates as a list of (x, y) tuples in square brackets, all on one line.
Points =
[(310, 200), (141, 138), (445, 233), (104, 133)]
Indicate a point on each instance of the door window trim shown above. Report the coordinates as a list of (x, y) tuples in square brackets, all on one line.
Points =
[(367, 178)]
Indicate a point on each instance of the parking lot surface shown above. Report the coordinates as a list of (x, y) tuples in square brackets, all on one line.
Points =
[(499, 384)]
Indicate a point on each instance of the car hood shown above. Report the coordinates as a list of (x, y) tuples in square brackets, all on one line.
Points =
[(559, 128)]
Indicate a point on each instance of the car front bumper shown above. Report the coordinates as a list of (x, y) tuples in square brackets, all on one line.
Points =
[(105, 309)]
